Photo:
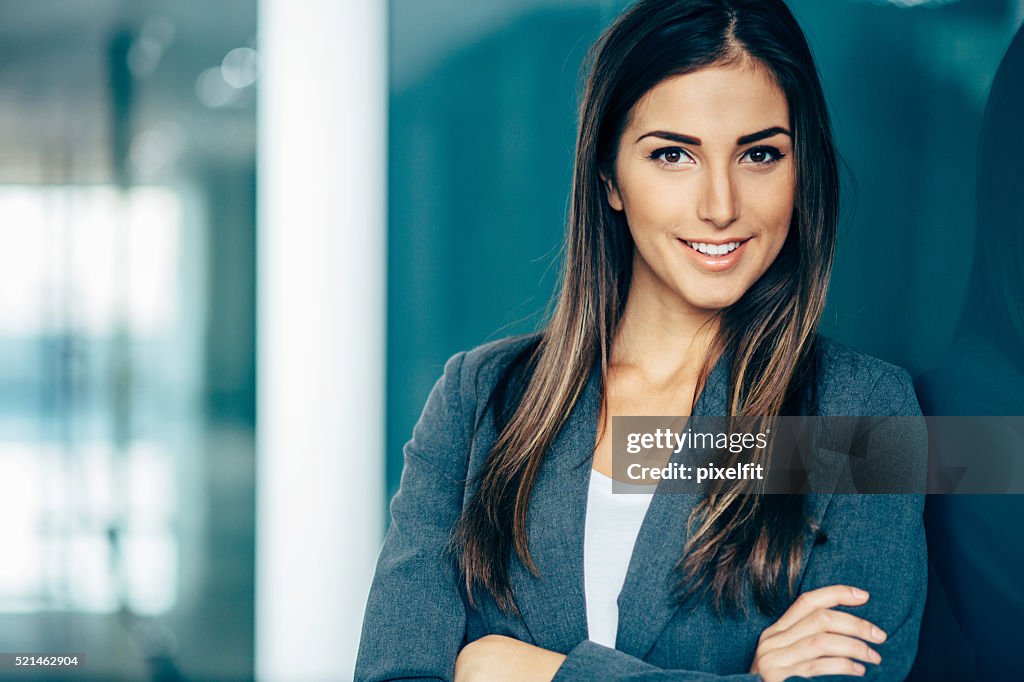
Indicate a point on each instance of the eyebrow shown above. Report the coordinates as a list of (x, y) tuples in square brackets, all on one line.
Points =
[(695, 141), (762, 134)]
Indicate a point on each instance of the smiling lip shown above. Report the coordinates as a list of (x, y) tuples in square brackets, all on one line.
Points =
[(722, 254)]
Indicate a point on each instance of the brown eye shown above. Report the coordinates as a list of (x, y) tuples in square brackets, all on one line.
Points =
[(671, 157), (763, 156)]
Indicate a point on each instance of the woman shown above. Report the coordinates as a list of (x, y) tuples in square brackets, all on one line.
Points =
[(697, 257)]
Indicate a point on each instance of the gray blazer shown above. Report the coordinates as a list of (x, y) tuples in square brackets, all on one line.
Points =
[(417, 616)]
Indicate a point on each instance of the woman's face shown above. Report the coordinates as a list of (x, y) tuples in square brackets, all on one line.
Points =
[(705, 175)]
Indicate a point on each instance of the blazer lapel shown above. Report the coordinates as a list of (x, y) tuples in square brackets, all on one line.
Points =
[(645, 605), (644, 610), (554, 606)]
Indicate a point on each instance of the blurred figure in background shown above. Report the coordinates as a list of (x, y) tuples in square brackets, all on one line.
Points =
[(974, 618)]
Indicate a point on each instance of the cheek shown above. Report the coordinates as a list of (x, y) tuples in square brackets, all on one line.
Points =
[(775, 208), (654, 204), (781, 217)]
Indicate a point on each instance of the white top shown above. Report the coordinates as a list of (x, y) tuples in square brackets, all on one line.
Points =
[(613, 522)]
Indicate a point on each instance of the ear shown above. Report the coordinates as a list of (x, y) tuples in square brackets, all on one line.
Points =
[(614, 199)]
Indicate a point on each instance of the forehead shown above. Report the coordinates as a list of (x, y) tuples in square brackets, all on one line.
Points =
[(726, 100)]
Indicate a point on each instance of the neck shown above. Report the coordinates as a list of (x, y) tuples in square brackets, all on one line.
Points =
[(660, 334)]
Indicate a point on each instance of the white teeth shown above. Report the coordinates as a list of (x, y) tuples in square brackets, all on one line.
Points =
[(714, 249)]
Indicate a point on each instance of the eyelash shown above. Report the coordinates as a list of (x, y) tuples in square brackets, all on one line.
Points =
[(776, 154)]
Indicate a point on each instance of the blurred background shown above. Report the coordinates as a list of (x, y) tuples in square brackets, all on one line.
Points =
[(127, 334), (159, 515)]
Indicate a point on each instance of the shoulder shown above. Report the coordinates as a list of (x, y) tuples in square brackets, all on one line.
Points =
[(485, 363), (470, 376), (848, 382), (452, 409)]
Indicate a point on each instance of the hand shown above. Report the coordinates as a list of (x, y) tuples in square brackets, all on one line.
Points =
[(812, 639), (496, 658)]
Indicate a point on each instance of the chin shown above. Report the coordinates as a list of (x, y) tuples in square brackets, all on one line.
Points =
[(710, 300), (713, 303)]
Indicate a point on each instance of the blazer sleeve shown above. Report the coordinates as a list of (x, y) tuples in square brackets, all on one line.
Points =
[(875, 542), (415, 620), (589, 660)]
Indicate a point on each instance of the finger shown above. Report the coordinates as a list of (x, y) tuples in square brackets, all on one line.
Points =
[(824, 620), (825, 644), (826, 666), (821, 598)]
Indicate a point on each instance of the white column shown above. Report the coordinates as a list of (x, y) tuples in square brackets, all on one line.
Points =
[(320, 330)]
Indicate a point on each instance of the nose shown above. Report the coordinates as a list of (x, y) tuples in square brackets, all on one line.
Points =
[(718, 204)]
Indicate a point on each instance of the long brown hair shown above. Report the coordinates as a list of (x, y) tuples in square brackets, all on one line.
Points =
[(737, 540)]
